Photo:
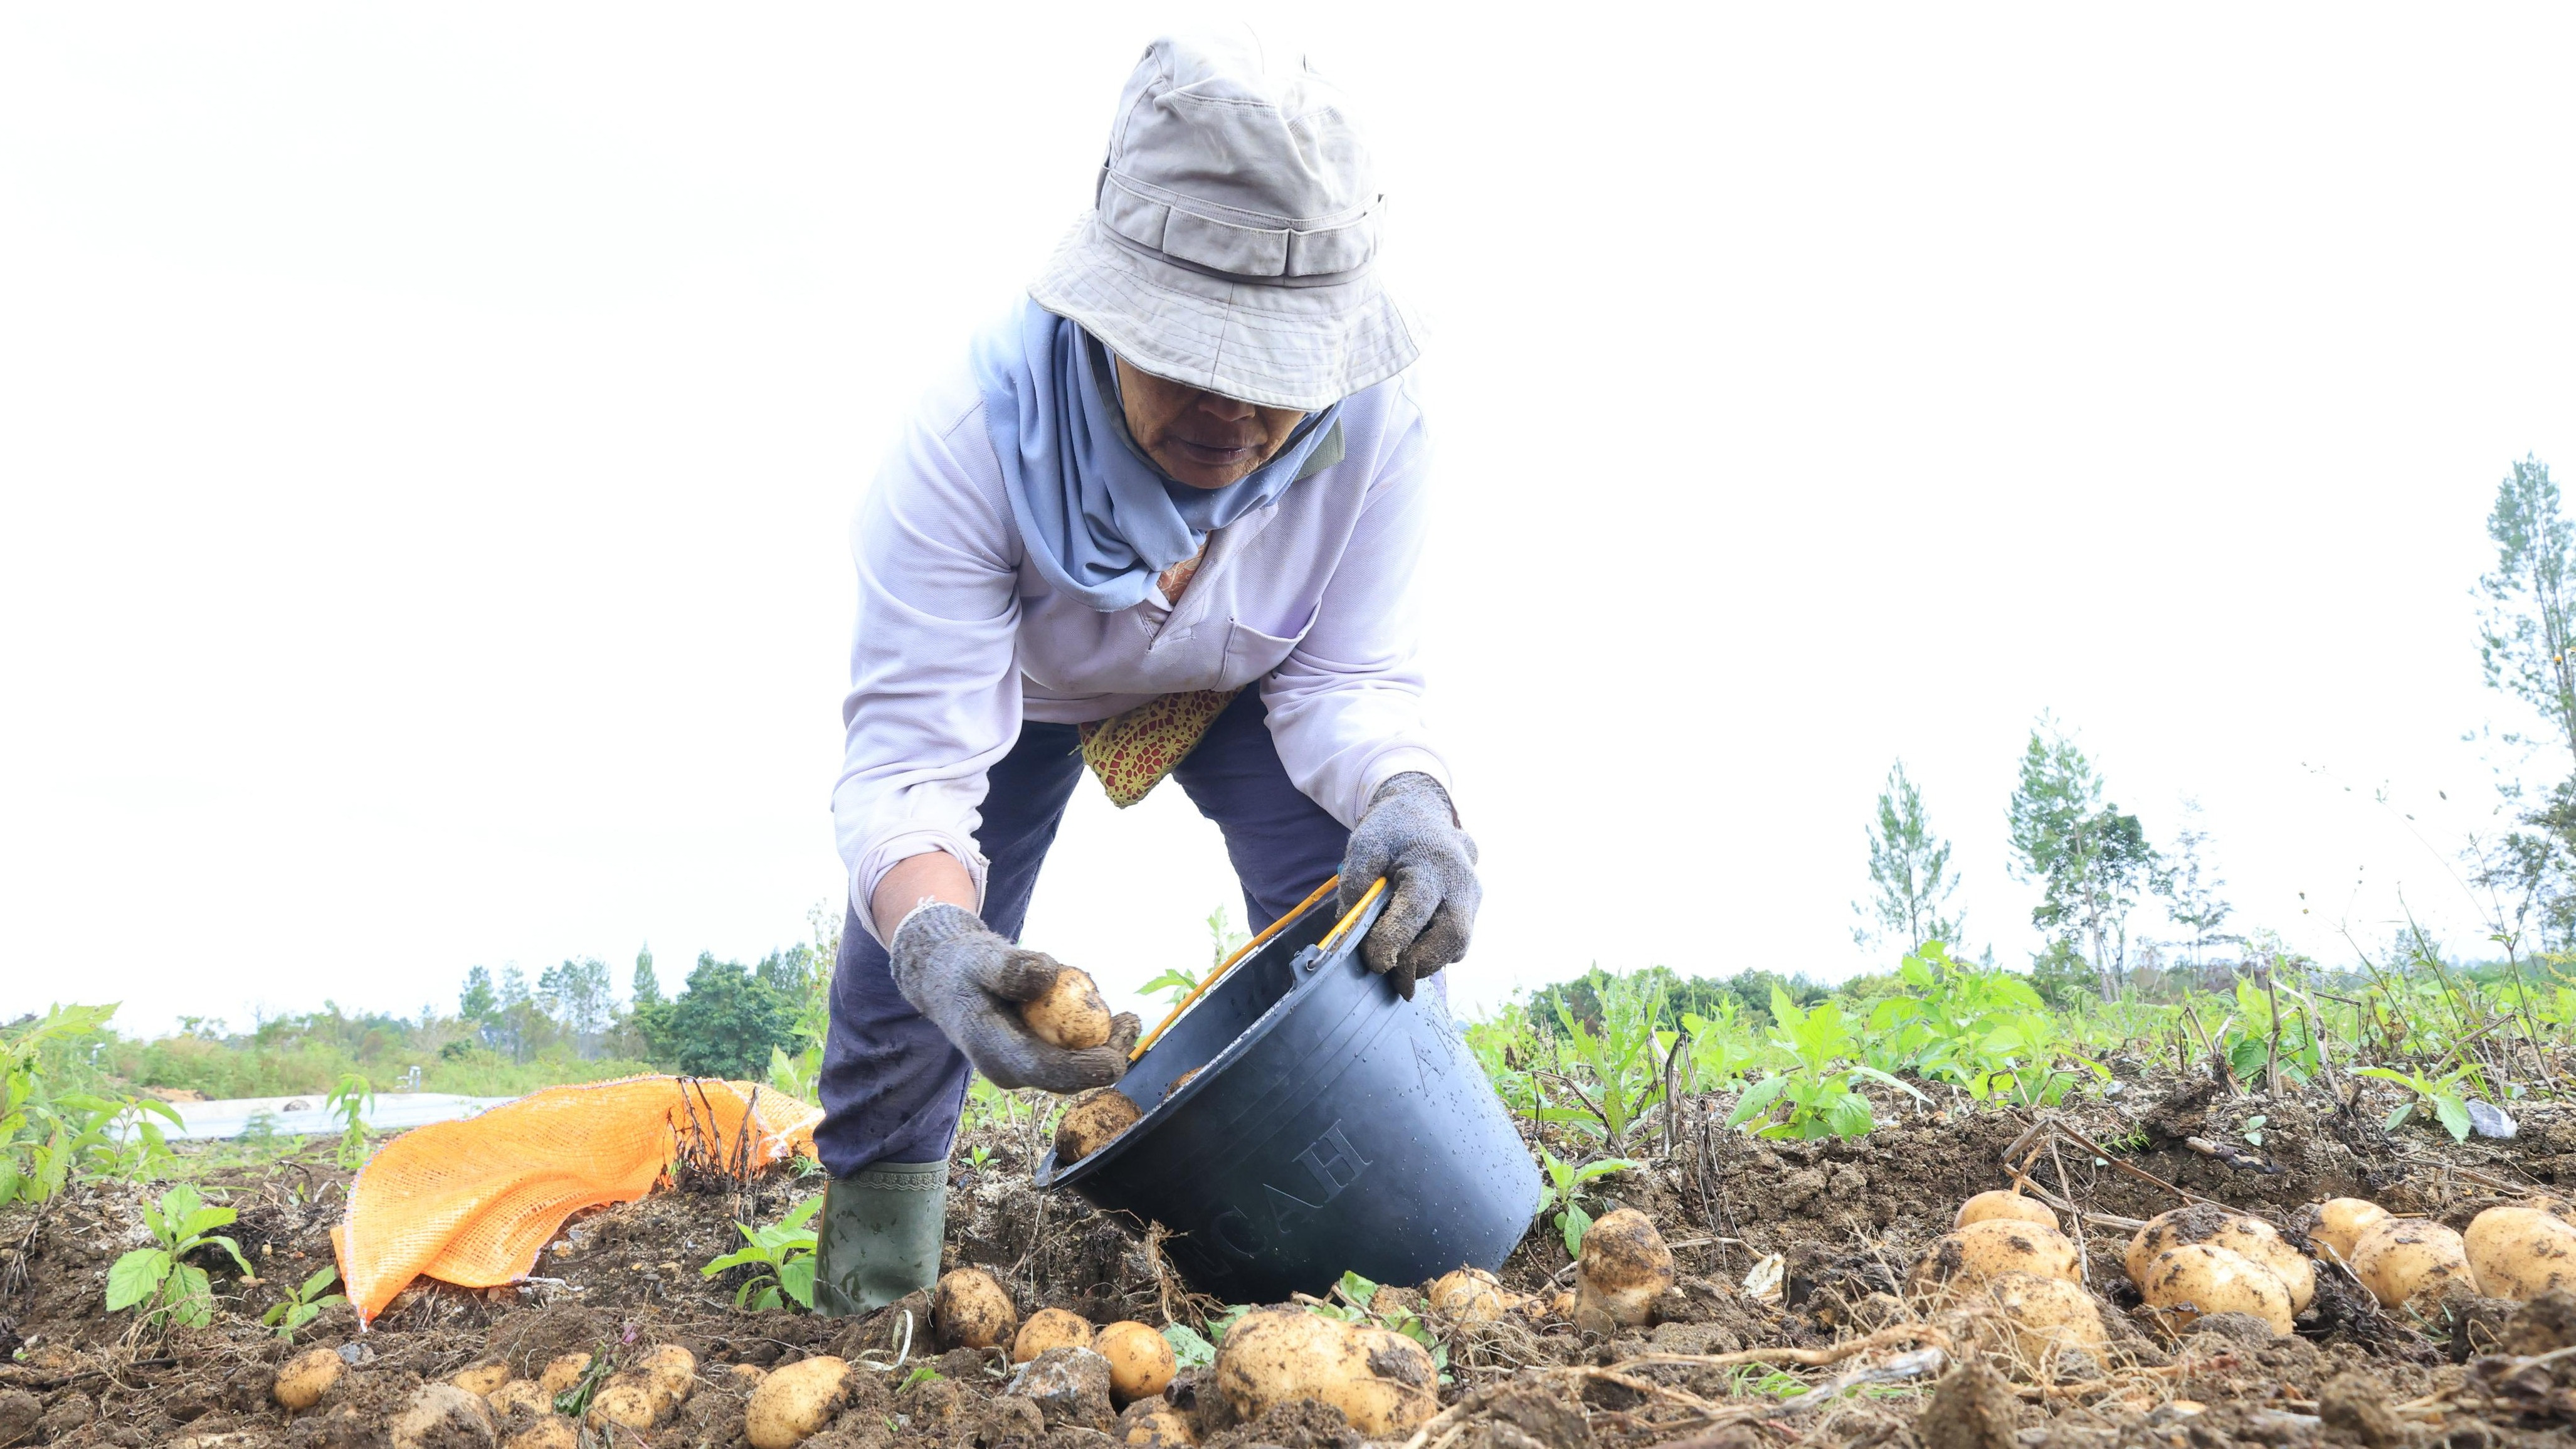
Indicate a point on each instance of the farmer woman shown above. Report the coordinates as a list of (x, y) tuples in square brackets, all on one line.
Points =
[(1164, 522)]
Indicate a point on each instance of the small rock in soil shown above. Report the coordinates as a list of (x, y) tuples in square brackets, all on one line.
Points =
[(1971, 1408), (68, 1413), (2356, 1410), (1539, 1416), (19, 1411), (1068, 1386), (2543, 1325)]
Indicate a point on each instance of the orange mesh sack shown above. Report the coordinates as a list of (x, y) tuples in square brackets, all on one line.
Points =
[(473, 1203)]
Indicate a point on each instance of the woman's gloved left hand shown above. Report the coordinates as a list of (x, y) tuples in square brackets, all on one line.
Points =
[(1410, 834)]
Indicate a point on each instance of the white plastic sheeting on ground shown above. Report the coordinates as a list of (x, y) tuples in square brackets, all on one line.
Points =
[(306, 1116)]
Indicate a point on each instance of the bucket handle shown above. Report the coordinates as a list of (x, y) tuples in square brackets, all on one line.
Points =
[(1376, 888)]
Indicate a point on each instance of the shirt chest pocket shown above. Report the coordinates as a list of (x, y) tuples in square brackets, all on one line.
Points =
[(1251, 653)]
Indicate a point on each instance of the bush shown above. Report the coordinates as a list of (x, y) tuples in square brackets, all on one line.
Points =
[(728, 1022)]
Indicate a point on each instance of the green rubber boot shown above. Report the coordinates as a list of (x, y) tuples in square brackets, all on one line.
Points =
[(879, 1236)]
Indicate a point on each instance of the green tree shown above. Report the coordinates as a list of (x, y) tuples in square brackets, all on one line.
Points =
[(2089, 860), (2190, 888), (1909, 874), (476, 1002), (648, 1015), (728, 1020), (2530, 617), (2525, 634), (577, 995)]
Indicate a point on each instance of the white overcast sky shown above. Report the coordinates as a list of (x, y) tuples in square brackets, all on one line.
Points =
[(427, 436)]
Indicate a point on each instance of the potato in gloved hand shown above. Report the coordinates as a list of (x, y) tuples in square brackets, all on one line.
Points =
[(974, 985)]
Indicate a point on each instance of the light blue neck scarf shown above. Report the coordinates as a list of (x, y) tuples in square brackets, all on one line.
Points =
[(1099, 520)]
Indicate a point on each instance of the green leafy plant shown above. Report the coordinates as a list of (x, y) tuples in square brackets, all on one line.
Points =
[(53, 1134), (2254, 1129), (1814, 1095), (1563, 1192), (1724, 1050), (1624, 1060), (799, 1076), (1188, 1348), (1175, 984), (1984, 1029), (349, 1101), (302, 1304), (922, 1375), (1357, 1303), (575, 1401), (159, 1278), (979, 1156), (784, 1253), (2441, 1094)]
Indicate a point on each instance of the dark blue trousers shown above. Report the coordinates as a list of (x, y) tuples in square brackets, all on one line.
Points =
[(892, 1084)]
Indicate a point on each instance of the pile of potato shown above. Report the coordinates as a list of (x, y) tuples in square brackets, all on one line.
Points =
[(2204, 1259), (2516, 1252), (480, 1402), (2008, 1250)]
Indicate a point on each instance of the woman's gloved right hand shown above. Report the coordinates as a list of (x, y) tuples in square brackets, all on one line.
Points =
[(956, 971)]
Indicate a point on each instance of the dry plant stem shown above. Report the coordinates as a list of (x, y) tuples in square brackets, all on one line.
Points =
[(2217, 1063), (2140, 1173), (2083, 1259), (2272, 1050)]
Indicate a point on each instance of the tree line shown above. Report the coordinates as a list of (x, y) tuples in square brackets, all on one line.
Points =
[(2094, 865)]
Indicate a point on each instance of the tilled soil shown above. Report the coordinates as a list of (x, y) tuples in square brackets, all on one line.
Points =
[(1855, 1358)]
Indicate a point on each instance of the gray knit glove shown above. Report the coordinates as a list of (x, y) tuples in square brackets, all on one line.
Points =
[(1411, 835), (954, 970)]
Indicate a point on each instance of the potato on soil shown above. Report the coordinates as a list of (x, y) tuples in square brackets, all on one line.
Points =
[(554, 1431), (1050, 1328), (564, 1372), (2047, 1314), (1141, 1362), (306, 1378), (1472, 1296), (520, 1394), (2005, 1203), (1091, 1121), (2520, 1253), (1977, 1254), (1382, 1382), (2191, 1280), (2250, 1238), (1623, 1268), (673, 1370), (482, 1378), (970, 1310), (2408, 1261), (1159, 1429), (631, 1400), (795, 1402), (1071, 1014), (443, 1416), (742, 1378), (2342, 1220)]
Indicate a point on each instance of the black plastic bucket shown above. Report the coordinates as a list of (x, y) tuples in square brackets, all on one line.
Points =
[(1334, 1127)]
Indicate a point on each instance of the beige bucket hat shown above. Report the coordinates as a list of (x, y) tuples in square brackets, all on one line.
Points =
[(1233, 236)]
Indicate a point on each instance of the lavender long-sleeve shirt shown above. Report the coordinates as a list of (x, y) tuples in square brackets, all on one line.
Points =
[(959, 639)]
